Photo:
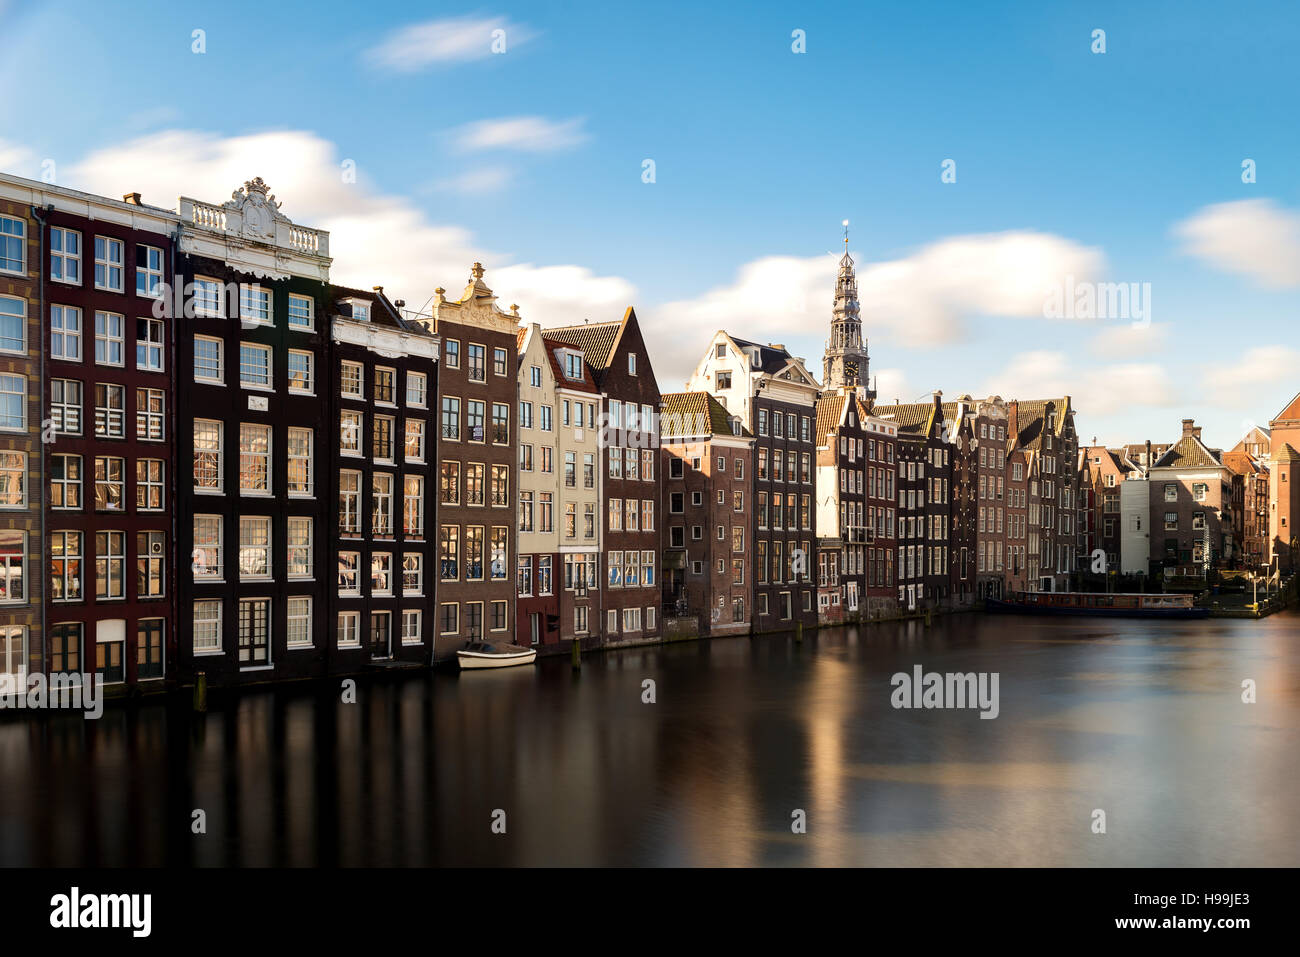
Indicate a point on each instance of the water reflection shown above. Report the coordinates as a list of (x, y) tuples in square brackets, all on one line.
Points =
[(1144, 721)]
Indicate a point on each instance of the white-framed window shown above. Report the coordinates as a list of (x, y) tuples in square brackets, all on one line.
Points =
[(13, 402), (631, 616), (254, 366), (350, 574), (13, 246), (207, 627), (413, 506), (110, 566), (13, 565), (66, 561), (254, 458), (148, 271), (110, 339), (385, 385), (412, 574), (411, 633), (417, 390), (360, 310), (302, 312), (110, 410), (302, 374), (254, 304), (381, 573), (298, 632), (254, 547), (206, 559), (352, 377), (207, 456), (150, 415), (65, 333), (381, 517), (149, 485), (149, 345), (109, 265), (351, 429), (301, 474), (208, 296), (631, 363), (151, 559), (65, 255), (349, 630), (298, 535), (13, 324), (349, 502), (65, 481), (414, 440), (209, 360)]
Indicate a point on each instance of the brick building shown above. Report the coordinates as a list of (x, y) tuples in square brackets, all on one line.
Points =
[(1191, 495)]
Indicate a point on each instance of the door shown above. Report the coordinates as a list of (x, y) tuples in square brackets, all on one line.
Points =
[(535, 627), (254, 632), (380, 634)]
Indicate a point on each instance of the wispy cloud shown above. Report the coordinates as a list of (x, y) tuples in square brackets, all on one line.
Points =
[(1251, 237), (419, 46), (481, 179), (526, 134), (1096, 391), (17, 159), (1237, 382)]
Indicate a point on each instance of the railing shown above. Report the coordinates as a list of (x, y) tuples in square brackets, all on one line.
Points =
[(207, 215)]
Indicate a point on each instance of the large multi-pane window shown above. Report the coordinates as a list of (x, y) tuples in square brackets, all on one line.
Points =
[(66, 556), (413, 506), (349, 574), (207, 626), (13, 564), (451, 418), (352, 380), (208, 360), (65, 333), (254, 631), (207, 455), (13, 402), (206, 560), (110, 410), (349, 502), (381, 518), (254, 458), (474, 484), (351, 428), (414, 451), (302, 376), (13, 324), (254, 547), (501, 422), (301, 311), (65, 648), (108, 264), (110, 483), (383, 437), (385, 385), (474, 553), (449, 483), (254, 304), (65, 406), (412, 573), (149, 418), (417, 388), (110, 565), (13, 256), (65, 255), (501, 486), (298, 627), (300, 473), (476, 368), (148, 270), (299, 540), (151, 557), (149, 648), (13, 479), (449, 553), (254, 365), (65, 481), (110, 339), (474, 413), (149, 345)]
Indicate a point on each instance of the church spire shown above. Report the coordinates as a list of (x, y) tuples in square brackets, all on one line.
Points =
[(846, 363)]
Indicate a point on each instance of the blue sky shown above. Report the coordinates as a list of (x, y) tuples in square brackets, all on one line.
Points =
[(1097, 165)]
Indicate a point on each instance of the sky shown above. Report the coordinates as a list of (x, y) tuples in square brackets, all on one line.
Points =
[(995, 165)]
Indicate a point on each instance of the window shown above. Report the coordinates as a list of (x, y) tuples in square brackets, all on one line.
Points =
[(524, 576), (254, 458), (500, 487), (299, 466), (474, 553), (474, 413), (450, 483), (13, 249), (13, 564), (414, 446), (383, 437), (351, 380), (302, 376), (573, 366), (385, 385), (525, 511), (477, 363), (65, 649), (110, 481), (254, 547), (1171, 492), (545, 583), (150, 559), (207, 296), (65, 481), (360, 310), (349, 629), (65, 255), (110, 410), (110, 339), (413, 574), (13, 325), (351, 427), (254, 307), (207, 455), (381, 517), (525, 415), (254, 366), (417, 390), (451, 353), (302, 311), (724, 381), (110, 565), (349, 574), (499, 366), (449, 619), (501, 422), (13, 479), (411, 628), (66, 556), (149, 345), (149, 495), (254, 631), (207, 627), (208, 361), (65, 330), (451, 418), (108, 264), (413, 505), (449, 553), (500, 539), (298, 623), (499, 616), (381, 573), (474, 484), (298, 539), (631, 363), (148, 271), (206, 560), (149, 422)]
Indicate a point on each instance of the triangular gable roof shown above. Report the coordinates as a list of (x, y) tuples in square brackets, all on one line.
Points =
[(830, 412), (1189, 452), (1290, 411), (682, 411)]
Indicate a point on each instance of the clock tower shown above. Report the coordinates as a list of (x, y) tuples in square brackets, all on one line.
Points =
[(846, 364)]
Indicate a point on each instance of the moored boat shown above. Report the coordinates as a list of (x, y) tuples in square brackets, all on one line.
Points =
[(1114, 605), (494, 654)]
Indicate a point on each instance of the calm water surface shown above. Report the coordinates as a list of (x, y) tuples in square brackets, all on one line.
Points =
[(1142, 720)]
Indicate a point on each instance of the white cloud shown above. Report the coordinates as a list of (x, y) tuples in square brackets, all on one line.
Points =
[(1094, 392), (528, 134), (418, 46), (1253, 237), (17, 160), (375, 239), (1238, 383), (479, 180), (1125, 340)]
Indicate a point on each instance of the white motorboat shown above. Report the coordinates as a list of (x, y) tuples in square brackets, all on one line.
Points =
[(494, 654)]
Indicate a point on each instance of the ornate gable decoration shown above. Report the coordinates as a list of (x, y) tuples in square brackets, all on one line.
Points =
[(253, 211), (477, 306)]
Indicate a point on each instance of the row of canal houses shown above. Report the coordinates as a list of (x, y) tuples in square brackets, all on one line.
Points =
[(216, 461)]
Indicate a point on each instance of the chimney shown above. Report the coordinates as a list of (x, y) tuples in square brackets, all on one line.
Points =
[(133, 199), (1191, 428), (1146, 463)]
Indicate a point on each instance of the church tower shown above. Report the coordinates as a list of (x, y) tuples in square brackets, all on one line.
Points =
[(846, 364)]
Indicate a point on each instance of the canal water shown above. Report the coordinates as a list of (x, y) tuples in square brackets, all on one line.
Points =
[(1141, 720)]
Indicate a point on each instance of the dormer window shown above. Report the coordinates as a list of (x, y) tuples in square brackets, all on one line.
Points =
[(360, 309), (573, 366)]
